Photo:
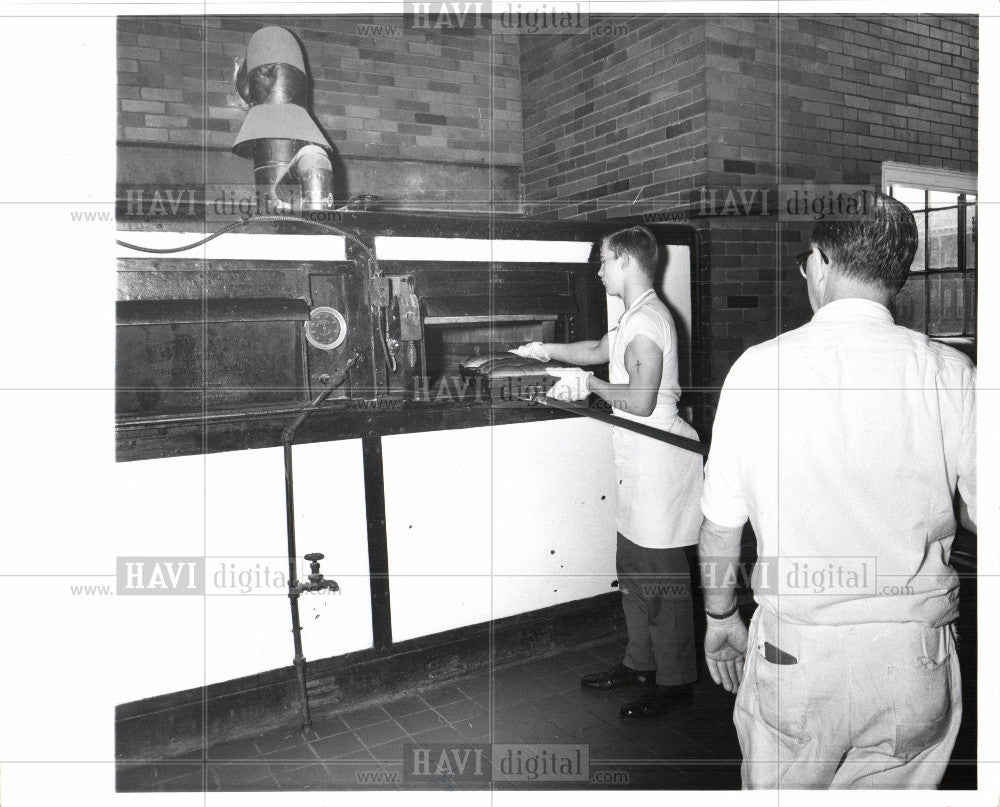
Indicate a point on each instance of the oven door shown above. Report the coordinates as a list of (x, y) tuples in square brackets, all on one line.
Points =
[(233, 337)]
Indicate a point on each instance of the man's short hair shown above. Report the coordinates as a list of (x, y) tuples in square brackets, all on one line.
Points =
[(874, 242), (639, 243)]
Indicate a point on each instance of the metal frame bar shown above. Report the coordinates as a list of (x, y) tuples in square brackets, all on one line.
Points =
[(378, 542)]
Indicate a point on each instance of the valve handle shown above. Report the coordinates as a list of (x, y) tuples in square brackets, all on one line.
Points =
[(312, 557)]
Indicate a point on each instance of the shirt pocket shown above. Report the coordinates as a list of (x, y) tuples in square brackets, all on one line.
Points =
[(921, 697)]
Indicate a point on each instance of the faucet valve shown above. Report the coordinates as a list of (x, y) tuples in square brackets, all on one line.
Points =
[(314, 558), (317, 582)]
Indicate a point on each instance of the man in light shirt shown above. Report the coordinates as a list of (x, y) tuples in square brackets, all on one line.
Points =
[(658, 485), (844, 443)]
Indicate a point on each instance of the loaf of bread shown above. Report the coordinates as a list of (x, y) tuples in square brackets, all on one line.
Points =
[(475, 362), (512, 367), (507, 365)]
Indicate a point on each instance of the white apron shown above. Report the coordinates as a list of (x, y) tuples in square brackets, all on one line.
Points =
[(659, 485)]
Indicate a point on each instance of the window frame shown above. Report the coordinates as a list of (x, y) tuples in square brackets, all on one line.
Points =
[(932, 179), (961, 183)]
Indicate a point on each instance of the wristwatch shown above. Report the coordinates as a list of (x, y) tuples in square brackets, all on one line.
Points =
[(726, 615)]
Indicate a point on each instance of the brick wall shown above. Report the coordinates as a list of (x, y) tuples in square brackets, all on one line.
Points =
[(786, 99), (613, 116), (381, 92), (854, 92)]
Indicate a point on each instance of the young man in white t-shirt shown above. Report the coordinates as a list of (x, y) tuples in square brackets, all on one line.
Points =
[(659, 485)]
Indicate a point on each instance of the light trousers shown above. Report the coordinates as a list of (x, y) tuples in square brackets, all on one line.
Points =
[(864, 706)]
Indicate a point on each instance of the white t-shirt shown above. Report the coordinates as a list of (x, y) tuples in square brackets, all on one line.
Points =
[(659, 485), (843, 442)]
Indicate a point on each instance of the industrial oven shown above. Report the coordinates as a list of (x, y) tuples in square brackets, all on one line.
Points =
[(355, 330), (219, 346), (219, 343)]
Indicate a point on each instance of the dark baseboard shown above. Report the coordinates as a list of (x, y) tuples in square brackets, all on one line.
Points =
[(181, 722)]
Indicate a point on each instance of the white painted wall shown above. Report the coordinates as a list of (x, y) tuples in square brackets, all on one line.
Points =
[(245, 519), (237, 246), (484, 523), (230, 508)]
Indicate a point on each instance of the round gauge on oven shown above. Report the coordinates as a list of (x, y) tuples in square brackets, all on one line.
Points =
[(326, 328)]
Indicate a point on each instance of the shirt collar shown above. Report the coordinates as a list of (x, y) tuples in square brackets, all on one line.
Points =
[(640, 299), (853, 308)]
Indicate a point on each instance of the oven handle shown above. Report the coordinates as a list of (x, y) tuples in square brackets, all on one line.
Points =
[(639, 428)]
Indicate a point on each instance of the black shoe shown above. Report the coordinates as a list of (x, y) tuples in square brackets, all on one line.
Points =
[(660, 701), (620, 676)]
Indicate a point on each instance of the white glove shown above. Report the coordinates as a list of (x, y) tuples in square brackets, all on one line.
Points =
[(572, 384), (532, 350)]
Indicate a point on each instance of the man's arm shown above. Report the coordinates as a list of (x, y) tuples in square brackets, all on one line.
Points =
[(725, 639), (583, 354), (718, 553), (724, 505), (644, 362)]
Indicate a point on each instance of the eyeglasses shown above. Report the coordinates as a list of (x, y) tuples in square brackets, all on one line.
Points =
[(800, 260)]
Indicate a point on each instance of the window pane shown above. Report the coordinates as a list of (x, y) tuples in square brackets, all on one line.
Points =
[(914, 199), (947, 304), (918, 256), (971, 210), (909, 308), (942, 301), (942, 199), (942, 242), (970, 303)]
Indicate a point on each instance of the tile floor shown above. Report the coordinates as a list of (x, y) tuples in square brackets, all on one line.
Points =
[(533, 702)]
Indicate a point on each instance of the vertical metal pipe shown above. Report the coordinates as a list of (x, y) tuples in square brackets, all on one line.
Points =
[(287, 437), (299, 660), (270, 163)]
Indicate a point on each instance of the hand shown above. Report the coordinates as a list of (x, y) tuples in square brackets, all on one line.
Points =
[(572, 384), (725, 650), (532, 350)]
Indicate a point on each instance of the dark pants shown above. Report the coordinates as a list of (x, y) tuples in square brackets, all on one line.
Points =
[(659, 615)]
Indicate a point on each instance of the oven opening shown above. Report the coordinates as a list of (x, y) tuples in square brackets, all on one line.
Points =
[(449, 341)]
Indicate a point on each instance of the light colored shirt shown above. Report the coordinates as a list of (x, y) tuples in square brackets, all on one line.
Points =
[(659, 485), (648, 316), (843, 442)]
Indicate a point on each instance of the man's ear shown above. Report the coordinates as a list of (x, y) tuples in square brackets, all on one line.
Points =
[(822, 269)]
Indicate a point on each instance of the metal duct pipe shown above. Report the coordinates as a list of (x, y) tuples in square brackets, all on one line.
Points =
[(278, 132), (315, 173), (271, 158)]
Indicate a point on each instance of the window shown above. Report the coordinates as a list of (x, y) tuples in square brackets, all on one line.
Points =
[(939, 297)]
